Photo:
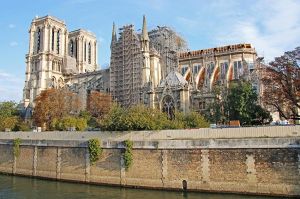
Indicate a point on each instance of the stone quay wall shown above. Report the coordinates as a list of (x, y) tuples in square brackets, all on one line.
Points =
[(263, 162)]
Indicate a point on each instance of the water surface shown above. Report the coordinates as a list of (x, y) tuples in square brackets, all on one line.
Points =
[(13, 187)]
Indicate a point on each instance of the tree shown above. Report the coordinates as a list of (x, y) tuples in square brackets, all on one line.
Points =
[(99, 104), (281, 83), (9, 115), (8, 109), (8, 122), (216, 108), (238, 102), (54, 104)]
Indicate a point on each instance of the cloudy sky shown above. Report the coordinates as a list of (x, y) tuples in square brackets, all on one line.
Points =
[(272, 26)]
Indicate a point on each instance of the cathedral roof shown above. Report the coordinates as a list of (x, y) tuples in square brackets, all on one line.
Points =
[(173, 79)]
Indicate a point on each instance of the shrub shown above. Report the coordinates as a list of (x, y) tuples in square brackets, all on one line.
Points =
[(22, 126), (8, 122), (95, 150), (16, 147), (81, 124), (128, 159), (115, 120), (144, 118), (195, 120), (67, 122), (56, 125)]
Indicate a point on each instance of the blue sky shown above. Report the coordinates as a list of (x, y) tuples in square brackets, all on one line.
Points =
[(272, 26)]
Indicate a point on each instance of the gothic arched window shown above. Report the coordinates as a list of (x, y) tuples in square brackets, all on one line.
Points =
[(60, 83), (85, 51), (71, 48), (168, 107), (58, 41), (52, 40), (53, 83), (39, 40), (90, 51)]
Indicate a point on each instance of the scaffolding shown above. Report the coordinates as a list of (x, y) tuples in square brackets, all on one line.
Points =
[(126, 61), (169, 44)]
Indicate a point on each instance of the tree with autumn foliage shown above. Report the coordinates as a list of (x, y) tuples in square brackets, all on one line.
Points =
[(55, 104), (281, 84), (98, 104)]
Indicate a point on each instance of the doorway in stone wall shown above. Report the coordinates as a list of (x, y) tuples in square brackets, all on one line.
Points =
[(184, 185)]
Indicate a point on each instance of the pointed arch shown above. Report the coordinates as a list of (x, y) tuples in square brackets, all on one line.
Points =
[(84, 50), (60, 82), (53, 83), (52, 40), (39, 34), (168, 106), (210, 68), (71, 48), (58, 42), (89, 52), (188, 74), (200, 78), (215, 76)]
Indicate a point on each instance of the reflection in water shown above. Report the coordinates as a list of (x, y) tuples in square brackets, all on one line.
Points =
[(12, 187)]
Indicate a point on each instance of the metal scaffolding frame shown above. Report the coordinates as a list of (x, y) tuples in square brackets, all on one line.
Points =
[(126, 61)]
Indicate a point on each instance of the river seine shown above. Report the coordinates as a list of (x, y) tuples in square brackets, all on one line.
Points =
[(12, 187)]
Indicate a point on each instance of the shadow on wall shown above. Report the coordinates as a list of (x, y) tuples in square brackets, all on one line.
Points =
[(109, 161), (73, 157)]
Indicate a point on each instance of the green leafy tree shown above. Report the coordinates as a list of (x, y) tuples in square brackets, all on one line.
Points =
[(238, 102), (195, 120), (215, 112), (8, 109), (242, 104), (9, 115)]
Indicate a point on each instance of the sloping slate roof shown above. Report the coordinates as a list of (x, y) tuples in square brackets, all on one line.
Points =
[(174, 79)]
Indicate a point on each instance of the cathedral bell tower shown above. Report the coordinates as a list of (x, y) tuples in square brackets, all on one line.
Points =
[(44, 61)]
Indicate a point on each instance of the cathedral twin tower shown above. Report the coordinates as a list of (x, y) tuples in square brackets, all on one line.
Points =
[(56, 54), (153, 67)]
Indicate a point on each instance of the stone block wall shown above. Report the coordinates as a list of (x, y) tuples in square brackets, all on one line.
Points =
[(268, 171)]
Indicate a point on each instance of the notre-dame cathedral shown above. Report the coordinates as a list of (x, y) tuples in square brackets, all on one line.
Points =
[(153, 67)]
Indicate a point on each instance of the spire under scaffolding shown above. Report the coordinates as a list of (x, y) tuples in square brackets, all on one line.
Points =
[(114, 35), (145, 36), (125, 67)]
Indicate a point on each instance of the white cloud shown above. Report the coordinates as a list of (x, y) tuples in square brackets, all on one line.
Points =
[(13, 43), (9, 78), (273, 27), (4, 75), (11, 25), (10, 86)]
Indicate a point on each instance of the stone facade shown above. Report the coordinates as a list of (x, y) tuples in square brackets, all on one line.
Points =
[(56, 57), (204, 69), (153, 68)]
